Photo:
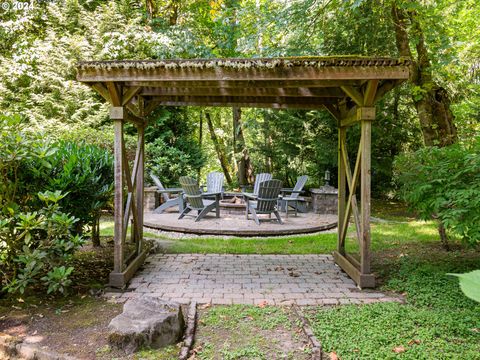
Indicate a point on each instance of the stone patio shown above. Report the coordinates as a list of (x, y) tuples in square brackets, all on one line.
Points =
[(248, 279), (237, 225)]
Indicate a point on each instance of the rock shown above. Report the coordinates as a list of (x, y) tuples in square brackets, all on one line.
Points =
[(146, 321)]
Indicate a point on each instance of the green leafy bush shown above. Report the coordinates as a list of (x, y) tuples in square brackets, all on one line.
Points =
[(171, 148), (48, 192), (34, 246), (444, 183), (84, 173)]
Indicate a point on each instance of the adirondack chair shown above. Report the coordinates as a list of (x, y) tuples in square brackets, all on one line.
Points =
[(258, 179), (214, 183), (265, 202), (168, 201), (292, 200), (196, 201)]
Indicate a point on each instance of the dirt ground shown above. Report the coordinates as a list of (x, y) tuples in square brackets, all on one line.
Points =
[(77, 326)]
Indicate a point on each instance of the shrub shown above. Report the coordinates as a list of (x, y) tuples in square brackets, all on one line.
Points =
[(444, 183), (34, 245), (48, 192), (84, 173)]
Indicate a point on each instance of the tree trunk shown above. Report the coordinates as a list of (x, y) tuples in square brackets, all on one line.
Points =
[(268, 143), (242, 158), (96, 232), (173, 10), (200, 139), (443, 236), (219, 149), (151, 8), (431, 101)]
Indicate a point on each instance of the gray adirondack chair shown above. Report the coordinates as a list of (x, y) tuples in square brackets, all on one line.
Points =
[(290, 197), (168, 201), (215, 183), (196, 201), (265, 202), (258, 179)]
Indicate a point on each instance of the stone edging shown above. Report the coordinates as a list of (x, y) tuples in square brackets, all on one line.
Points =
[(190, 332), (14, 348), (316, 345)]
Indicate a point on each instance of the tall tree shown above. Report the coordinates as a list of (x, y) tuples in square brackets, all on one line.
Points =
[(242, 157), (219, 148), (431, 100)]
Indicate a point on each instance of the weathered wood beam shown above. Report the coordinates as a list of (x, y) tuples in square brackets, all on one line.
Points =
[(117, 118), (240, 104), (239, 84), (274, 102), (121, 278), (370, 91), (151, 106), (115, 94), (245, 74), (354, 117), (102, 90), (354, 94), (366, 135), (333, 110), (134, 119), (362, 280), (245, 91), (386, 87), (352, 190), (131, 202), (130, 93), (342, 191), (139, 187)]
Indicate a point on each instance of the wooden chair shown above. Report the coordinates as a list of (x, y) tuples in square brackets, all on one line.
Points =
[(292, 199), (196, 201), (168, 201), (215, 183), (258, 179), (265, 202)]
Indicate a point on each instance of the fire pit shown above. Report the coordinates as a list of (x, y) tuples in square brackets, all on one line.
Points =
[(232, 203)]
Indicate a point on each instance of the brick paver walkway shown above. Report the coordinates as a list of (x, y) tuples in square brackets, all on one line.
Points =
[(248, 279)]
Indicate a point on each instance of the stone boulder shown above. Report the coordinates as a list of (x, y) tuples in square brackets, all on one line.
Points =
[(146, 321)]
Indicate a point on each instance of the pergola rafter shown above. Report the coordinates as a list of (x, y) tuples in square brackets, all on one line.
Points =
[(347, 87)]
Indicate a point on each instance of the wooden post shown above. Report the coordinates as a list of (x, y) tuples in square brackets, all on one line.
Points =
[(342, 133), (139, 184), (365, 180), (117, 115)]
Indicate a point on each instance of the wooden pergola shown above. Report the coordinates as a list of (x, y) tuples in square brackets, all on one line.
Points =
[(347, 87)]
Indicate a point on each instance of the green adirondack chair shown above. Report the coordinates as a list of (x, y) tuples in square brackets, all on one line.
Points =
[(196, 199), (265, 202)]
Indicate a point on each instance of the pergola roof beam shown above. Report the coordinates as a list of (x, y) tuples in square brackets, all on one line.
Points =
[(208, 74), (260, 92), (246, 83)]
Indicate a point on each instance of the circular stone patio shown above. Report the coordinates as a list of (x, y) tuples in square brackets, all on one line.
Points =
[(237, 225)]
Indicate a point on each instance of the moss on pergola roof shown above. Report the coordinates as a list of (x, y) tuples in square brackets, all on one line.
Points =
[(294, 82), (307, 61)]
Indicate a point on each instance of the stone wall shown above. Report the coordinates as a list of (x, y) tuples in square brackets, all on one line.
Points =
[(151, 199), (325, 200)]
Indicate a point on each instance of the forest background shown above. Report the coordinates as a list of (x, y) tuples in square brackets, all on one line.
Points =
[(439, 106)]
